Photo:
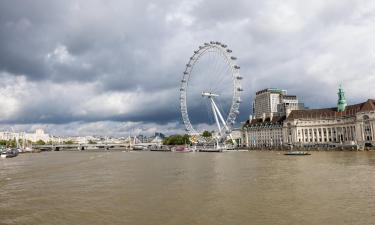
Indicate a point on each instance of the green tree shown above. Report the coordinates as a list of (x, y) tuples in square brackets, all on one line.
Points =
[(229, 141), (11, 143), (91, 142), (3, 142), (206, 134), (177, 140), (40, 142), (70, 142)]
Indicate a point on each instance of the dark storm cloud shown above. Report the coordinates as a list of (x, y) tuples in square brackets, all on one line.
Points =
[(100, 39), (88, 61)]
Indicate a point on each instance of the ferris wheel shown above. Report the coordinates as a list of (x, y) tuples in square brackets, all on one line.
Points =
[(212, 74)]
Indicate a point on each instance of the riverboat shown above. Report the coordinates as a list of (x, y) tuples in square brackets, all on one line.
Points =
[(297, 153), (9, 153), (182, 149)]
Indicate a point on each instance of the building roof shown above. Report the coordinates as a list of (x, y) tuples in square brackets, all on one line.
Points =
[(350, 110), (276, 120), (271, 90)]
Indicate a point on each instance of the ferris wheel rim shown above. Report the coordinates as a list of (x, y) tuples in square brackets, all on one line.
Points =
[(236, 85)]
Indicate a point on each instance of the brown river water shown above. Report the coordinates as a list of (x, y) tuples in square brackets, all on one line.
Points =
[(161, 188)]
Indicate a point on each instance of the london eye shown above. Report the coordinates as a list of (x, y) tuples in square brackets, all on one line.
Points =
[(211, 83)]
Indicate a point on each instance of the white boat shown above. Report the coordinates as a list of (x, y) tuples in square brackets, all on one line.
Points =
[(9, 153)]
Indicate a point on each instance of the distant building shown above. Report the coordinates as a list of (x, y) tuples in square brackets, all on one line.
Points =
[(157, 140), (293, 124), (236, 135), (160, 135), (271, 102), (263, 133), (34, 137), (271, 106), (353, 125), (6, 135), (142, 138), (38, 135), (288, 104), (266, 101)]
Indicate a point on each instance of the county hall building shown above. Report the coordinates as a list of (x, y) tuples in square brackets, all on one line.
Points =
[(279, 119)]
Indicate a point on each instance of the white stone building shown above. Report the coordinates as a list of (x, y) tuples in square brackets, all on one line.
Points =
[(354, 125), (236, 135), (38, 135), (259, 133), (295, 125), (271, 106)]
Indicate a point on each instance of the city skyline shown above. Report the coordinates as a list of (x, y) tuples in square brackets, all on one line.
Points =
[(108, 68)]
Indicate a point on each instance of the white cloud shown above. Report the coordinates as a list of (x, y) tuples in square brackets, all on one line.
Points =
[(61, 55), (182, 13)]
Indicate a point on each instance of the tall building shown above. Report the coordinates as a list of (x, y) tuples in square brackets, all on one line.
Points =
[(274, 102), (271, 106), (266, 101), (288, 104)]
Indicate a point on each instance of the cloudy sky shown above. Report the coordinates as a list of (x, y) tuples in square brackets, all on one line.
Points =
[(110, 67)]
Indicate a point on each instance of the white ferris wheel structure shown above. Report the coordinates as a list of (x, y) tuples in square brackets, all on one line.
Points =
[(221, 55)]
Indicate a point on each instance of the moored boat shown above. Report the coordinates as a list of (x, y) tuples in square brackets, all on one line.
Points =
[(9, 153), (296, 153), (182, 149)]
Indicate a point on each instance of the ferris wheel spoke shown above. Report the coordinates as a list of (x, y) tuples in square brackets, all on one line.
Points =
[(222, 77)]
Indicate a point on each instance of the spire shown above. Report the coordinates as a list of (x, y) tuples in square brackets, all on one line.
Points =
[(341, 103)]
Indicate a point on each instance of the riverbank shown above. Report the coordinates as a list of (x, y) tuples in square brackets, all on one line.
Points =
[(338, 149), (314, 148)]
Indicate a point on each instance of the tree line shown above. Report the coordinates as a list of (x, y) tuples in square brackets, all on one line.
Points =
[(177, 140)]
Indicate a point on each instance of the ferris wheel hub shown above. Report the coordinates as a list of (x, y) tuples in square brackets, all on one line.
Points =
[(209, 94)]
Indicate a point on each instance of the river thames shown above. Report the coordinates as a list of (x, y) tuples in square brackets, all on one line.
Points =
[(157, 188)]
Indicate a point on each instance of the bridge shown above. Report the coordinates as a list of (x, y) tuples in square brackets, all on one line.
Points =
[(81, 147)]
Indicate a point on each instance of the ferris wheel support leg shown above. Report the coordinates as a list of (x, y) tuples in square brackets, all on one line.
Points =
[(234, 141), (215, 115), (222, 120), (220, 116)]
